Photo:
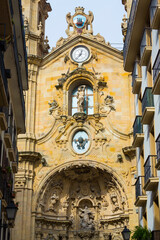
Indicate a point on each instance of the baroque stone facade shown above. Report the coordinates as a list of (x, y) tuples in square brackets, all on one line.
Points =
[(76, 167)]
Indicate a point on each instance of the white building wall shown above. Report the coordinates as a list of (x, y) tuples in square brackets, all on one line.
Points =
[(137, 112), (150, 211), (144, 79), (155, 44), (157, 115), (146, 141)]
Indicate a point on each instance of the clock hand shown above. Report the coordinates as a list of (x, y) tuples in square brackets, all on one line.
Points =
[(79, 55)]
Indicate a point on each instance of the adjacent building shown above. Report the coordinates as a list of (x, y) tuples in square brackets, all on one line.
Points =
[(142, 58), (13, 81), (76, 163)]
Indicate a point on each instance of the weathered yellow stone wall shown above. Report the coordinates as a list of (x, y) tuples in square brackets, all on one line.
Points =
[(46, 154)]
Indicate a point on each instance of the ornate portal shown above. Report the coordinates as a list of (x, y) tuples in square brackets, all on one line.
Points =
[(81, 203)]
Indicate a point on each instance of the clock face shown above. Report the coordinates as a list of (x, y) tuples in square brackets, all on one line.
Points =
[(80, 54)]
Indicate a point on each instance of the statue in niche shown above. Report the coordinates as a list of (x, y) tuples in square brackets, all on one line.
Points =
[(53, 201), (114, 201), (86, 219), (81, 98)]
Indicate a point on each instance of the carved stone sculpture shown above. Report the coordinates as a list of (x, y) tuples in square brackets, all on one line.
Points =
[(114, 201), (124, 27), (53, 201), (119, 158), (81, 98), (44, 162), (108, 105), (53, 105), (109, 102), (86, 219)]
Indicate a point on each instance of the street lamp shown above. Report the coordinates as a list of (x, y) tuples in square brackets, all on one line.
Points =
[(11, 211), (126, 233)]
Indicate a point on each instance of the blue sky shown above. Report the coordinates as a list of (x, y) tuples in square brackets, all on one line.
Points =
[(108, 16)]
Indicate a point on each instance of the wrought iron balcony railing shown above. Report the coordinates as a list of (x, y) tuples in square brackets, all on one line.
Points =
[(5, 110), (18, 71), (146, 40), (158, 148), (147, 100), (139, 186), (129, 28), (3, 73), (137, 126), (156, 67), (145, 48), (149, 167), (154, 14), (6, 179)]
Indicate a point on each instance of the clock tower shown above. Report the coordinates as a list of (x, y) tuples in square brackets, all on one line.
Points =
[(76, 161)]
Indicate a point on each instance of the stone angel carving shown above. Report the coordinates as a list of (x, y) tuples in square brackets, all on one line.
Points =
[(70, 24)]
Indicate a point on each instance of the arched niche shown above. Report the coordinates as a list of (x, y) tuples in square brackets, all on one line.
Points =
[(77, 78), (77, 192)]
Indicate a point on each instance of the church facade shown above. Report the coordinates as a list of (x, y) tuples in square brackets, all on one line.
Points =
[(76, 160)]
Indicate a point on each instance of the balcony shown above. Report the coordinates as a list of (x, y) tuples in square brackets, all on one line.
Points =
[(138, 132), (3, 121), (3, 83), (141, 198), (155, 14), (6, 181), (156, 234), (151, 179), (147, 106), (136, 84), (145, 47), (156, 75), (136, 78), (15, 164), (136, 25), (158, 152), (6, 17)]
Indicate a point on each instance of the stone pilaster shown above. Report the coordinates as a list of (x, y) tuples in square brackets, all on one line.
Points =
[(24, 193)]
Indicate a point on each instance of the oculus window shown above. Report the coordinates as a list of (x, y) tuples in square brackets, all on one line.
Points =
[(80, 142)]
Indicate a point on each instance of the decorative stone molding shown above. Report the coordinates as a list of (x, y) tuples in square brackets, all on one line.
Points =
[(29, 156), (80, 116), (129, 151), (108, 105), (124, 27), (53, 105), (81, 191), (119, 158)]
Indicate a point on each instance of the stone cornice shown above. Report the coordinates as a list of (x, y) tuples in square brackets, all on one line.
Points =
[(33, 59), (29, 156), (86, 40)]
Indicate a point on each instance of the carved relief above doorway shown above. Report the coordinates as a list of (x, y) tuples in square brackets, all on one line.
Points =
[(81, 202)]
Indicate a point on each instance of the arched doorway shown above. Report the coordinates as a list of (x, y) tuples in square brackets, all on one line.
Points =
[(81, 202)]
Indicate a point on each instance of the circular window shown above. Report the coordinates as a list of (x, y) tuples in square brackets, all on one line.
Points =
[(80, 142)]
